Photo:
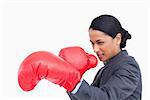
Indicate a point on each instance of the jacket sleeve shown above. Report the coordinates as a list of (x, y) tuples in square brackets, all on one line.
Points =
[(121, 85)]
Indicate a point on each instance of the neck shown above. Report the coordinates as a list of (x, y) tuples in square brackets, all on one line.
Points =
[(117, 51)]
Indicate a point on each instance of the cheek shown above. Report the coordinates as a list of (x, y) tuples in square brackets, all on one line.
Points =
[(107, 54), (110, 51), (107, 51)]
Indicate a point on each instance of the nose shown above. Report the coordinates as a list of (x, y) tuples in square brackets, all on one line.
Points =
[(95, 48)]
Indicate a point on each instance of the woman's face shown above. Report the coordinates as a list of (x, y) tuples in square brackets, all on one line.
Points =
[(104, 45)]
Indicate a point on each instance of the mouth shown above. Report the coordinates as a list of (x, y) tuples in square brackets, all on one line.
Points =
[(100, 55)]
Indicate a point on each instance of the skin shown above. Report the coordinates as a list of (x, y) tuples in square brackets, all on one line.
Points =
[(104, 45)]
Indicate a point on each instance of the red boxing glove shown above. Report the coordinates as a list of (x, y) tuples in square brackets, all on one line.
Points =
[(46, 65), (77, 57)]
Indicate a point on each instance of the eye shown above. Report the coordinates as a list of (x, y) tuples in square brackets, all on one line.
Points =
[(100, 42)]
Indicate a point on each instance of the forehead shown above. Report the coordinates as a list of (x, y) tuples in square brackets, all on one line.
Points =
[(96, 35)]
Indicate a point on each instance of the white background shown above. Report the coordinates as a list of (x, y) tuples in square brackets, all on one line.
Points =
[(32, 25)]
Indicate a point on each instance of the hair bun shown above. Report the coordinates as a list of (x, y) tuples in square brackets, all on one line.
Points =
[(125, 36)]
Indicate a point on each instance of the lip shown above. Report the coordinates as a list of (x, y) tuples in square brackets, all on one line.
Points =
[(100, 56)]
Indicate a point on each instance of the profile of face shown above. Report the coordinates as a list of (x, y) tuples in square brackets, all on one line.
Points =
[(104, 45)]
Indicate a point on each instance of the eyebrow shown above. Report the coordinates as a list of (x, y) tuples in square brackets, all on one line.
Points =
[(96, 40), (91, 41)]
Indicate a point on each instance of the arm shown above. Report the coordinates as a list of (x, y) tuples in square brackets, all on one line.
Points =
[(121, 85)]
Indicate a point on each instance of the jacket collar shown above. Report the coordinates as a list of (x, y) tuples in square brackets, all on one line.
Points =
[(117, 57)]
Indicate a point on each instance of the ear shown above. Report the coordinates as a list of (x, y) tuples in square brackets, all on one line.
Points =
[(118, 38)]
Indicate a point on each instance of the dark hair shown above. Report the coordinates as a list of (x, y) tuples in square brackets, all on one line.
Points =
[(111, 26)]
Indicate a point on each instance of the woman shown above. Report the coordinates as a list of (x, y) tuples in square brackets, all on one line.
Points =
[(120, 78)]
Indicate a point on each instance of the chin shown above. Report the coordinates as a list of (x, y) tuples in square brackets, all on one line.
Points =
[(103, 59)]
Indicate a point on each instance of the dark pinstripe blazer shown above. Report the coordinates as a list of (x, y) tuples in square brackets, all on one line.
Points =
[(119, 79)]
